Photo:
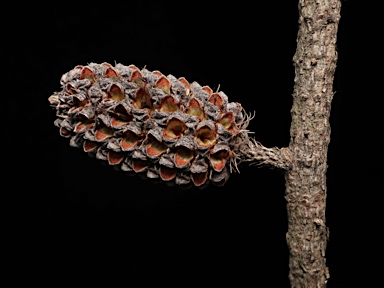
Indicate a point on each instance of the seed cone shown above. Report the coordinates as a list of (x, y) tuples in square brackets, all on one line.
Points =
[(144, 122)]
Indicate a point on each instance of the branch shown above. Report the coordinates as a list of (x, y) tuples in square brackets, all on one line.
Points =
[(250, 150)]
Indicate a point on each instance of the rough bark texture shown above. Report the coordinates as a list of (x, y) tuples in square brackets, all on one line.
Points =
[(306, 189), (304, 162)]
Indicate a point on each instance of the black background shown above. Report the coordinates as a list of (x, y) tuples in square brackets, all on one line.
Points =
[(67, 215)]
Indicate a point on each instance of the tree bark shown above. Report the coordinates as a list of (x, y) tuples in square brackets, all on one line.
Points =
[(306, 188), (304, 161)]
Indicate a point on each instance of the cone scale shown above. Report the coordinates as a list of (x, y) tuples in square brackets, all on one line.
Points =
[(142, 121)]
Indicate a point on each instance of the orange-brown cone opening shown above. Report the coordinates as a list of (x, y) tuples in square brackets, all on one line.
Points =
[(142, 99), (115, 158), (157, 72), (139, 165), (103, 133), (195, 109), (85, 125), (80, 103), (163, 83), (175, 129), (168, 104), (111, 73), (80, 127), (186, 84), (228, 122), (155, 148), (199, 178), (130, 140), (205, 137), (133, 67), (136, 74), (116, 93), (207, 89), (219, 159), (65, 132), (216, 99), (183, 156), (87, 73), (70, 89), (166, 173), (120, 116), (90, 146)]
